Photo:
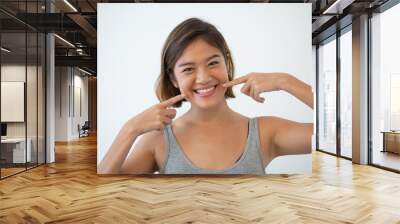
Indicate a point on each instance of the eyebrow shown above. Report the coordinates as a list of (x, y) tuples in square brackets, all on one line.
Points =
[(192, 63)]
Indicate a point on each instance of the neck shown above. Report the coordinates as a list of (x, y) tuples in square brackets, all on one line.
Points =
[(209, 115)]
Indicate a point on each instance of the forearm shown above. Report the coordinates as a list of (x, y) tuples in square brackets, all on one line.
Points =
[(116, 155), (298, 88)]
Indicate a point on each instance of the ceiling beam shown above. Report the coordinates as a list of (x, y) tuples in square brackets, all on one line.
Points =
[(84, 61), (86, 26), (337, 6)]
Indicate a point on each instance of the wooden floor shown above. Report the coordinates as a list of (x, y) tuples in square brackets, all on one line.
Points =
[(10, 171), (70, 191), (388, 159)]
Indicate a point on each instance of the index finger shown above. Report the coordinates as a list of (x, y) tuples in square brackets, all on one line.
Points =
[(234, 82), (173, 100)]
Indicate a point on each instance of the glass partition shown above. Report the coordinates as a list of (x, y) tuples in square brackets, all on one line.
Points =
[(22, 77), (385, 89), (13, 95), (327, 96), (346, 94), (31, 100), (41, 85)]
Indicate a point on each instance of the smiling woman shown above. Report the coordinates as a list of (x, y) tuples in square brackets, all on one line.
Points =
[(210, 138), (193, 46)]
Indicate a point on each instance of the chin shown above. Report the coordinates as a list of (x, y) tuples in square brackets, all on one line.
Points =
[(205, 105)]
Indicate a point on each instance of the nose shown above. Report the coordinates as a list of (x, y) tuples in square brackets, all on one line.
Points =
[(203, 76)]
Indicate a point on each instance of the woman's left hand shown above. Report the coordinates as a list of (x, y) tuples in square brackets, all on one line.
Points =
[(257, 83)]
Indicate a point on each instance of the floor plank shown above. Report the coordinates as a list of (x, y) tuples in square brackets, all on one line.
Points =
[(70, 191)]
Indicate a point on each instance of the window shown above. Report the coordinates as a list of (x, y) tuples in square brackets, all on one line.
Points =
[(327, 96), (346, 94), (385, 89)]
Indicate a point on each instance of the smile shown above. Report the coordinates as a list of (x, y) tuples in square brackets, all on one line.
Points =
[(205, 91)]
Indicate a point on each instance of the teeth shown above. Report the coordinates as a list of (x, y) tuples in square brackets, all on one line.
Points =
[(205, 90)]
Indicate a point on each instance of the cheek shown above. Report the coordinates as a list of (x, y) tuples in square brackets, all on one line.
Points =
[(222, 74), (185, 85)]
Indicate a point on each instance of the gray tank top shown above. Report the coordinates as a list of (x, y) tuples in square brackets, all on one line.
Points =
[(250, 161)]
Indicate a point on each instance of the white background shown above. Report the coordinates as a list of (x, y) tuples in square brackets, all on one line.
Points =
[(262, 38)]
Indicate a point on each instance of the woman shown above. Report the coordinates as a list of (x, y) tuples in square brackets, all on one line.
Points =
[(197, 67)]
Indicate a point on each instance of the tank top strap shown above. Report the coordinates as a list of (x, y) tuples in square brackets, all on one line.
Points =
[(171, 146), (167, 147), (254, 141)]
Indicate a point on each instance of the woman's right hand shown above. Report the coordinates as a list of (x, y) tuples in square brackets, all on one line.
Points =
[(155, 117)]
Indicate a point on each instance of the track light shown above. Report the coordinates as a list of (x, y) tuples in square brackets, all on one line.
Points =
[(64, 40), (338, 6), (84, 71), (70, 5), (5, 50)]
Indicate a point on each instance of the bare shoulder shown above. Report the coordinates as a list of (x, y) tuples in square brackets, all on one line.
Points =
[(268, 125), (285, 137), (152, 140), (142, 158), (150, 147)]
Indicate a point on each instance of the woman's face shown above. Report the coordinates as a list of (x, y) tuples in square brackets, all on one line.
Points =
[(200, 73)]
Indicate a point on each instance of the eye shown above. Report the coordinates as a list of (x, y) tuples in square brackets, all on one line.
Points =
[(187, 70), (213, 63)]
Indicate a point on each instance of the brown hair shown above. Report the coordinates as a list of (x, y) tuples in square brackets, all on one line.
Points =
[(180, 37)]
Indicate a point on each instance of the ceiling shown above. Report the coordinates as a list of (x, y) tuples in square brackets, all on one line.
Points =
[(76, 22)]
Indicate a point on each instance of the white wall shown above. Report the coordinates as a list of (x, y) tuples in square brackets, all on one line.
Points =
[(61, 103), (68, 81), (80, 83), (262, 38)]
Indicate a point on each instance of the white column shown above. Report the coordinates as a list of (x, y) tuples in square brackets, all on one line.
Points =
[(360, 90), (50, 93), (50, 110)]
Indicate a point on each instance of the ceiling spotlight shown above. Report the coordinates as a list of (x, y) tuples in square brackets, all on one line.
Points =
[(79, 51)]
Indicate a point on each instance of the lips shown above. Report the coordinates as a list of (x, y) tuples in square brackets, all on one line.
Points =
[(205, 91)]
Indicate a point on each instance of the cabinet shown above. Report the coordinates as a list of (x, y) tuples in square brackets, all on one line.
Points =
[(391, 141)]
